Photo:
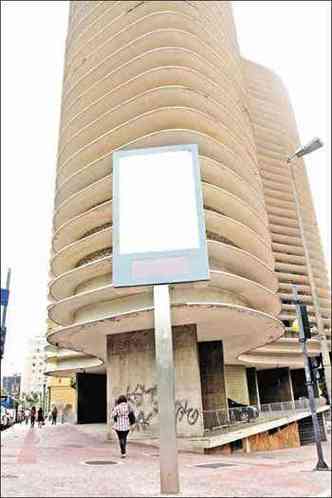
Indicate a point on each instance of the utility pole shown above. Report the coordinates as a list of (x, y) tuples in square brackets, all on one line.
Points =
[(304, 334), (4, 303), (315, 144)]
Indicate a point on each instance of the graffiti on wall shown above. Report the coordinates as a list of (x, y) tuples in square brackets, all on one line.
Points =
[(144, 399), (145, 402), (184, 411)]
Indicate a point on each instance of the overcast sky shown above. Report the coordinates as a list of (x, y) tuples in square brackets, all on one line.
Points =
[(292, 38)]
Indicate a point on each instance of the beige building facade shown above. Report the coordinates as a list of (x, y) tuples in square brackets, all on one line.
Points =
[(154, 73), (34, 379)]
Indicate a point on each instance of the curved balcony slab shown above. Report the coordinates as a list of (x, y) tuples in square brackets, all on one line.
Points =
[(239, 234), (266, 361), (130, 32), (81, 131), (67, 366), (160, 119), (101, 167), (251, 294), (212, 172), (232, 259), (169, 38), (154, 58), (242, 329), (214, 198)]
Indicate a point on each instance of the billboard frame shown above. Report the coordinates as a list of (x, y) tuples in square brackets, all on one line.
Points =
[(194, 262)]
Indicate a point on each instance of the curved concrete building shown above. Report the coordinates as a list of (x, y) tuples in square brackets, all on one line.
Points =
[(154, 73), (276, 137)]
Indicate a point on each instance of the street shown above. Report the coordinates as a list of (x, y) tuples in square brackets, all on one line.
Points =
[(51, 461)]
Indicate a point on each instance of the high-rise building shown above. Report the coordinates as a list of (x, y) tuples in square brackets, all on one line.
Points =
[(11, 385), (154, 73), (34, 379)]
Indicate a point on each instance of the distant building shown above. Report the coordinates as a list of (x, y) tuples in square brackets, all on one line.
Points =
[(11, 384), (61, 390), (33, 377)]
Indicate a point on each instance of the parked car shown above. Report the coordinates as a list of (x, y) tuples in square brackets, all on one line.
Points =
[(240, 412), (7, 417)]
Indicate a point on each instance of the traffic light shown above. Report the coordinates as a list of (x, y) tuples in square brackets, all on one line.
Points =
[(317, 370), (305, 321)]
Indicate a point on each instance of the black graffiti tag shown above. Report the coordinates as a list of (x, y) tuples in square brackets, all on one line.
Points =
[(145, 400), (183, 410)]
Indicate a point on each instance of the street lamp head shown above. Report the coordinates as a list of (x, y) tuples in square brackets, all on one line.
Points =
[(311, 146)]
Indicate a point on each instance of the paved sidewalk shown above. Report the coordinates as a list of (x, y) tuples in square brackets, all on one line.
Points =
[(50, 462)]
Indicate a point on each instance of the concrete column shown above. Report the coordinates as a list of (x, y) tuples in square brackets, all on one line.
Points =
[(254, 397), (237, 384), (109, 399), (75, 408), (131, 370), (291, 390), (246, 445), (211, 359)]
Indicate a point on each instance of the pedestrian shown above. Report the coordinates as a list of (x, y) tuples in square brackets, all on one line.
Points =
[(21, 415), (54, 414), (26, 416), (40, 417), (33, 416), (123, 416)]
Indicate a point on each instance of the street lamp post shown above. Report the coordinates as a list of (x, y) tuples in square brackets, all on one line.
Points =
[(307, 149), (4, 303), (44, 396)]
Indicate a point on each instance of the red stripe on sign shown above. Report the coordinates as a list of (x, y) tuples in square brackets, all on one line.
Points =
[(163, 267)]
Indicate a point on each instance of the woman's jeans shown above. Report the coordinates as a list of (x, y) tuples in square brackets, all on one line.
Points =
[(122, 435)]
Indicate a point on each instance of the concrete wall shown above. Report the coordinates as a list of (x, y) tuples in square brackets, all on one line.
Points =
[(63, 396), (286, 436), (131, 371), (275, 439), (253, 387), (236, 383)]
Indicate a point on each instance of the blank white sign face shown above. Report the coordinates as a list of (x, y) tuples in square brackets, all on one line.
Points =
[(157, 203), (159, 232)]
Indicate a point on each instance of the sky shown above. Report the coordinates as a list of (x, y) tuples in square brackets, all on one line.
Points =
[(292, 38)]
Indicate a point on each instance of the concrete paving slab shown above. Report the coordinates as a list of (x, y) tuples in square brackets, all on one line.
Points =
[(51, 462)]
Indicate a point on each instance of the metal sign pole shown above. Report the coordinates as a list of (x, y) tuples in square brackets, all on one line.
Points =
[(321, 464), (169, 476), (3, 328)]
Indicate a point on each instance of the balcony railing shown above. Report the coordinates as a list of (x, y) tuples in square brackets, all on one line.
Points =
[(222, 419)]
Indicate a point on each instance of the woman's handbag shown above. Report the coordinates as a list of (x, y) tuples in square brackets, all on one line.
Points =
[(132, 418)]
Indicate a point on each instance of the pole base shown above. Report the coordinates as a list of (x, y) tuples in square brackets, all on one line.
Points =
[(321, 465)]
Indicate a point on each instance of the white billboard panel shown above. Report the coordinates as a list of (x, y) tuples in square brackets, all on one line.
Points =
[(158, 222)]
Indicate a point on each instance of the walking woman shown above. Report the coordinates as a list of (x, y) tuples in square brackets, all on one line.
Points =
[(54, 414), (33, 416), (123, 417), (40, 417)]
